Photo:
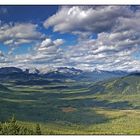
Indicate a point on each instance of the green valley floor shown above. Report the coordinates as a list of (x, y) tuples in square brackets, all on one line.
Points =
[(70, 108)]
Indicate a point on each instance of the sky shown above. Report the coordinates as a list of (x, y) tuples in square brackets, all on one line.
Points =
[(83, 37)]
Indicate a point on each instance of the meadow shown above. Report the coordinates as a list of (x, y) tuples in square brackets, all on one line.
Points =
[(70, 108)]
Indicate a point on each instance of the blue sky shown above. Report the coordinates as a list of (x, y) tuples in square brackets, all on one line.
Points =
[(84, 37)]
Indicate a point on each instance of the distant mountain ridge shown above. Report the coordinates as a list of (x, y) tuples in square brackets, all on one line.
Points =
[(61, 73), (9, 70)]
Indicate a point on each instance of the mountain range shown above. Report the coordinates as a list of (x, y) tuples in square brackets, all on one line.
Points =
[(60, 73), (100, 81)]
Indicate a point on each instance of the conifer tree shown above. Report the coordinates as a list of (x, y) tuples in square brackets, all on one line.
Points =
[(38, 129)]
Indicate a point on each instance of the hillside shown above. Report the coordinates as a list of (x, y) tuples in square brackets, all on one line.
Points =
[(124, 85)]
